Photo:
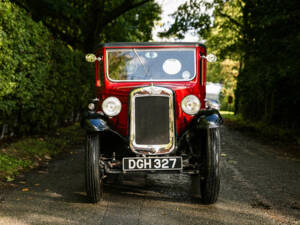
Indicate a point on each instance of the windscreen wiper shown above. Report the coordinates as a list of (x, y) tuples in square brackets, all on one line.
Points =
[(145, 69)]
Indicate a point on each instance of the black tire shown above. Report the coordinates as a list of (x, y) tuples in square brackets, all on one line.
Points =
[(93, 175), (210, 172)]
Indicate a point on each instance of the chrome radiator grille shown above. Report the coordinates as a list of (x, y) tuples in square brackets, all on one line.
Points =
[(152, 121)]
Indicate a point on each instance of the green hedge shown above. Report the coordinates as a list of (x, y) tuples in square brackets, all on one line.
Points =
[(268, 88), (43, 82)]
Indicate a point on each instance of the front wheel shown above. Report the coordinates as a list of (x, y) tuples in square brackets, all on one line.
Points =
[(210, 172), (93, 175)]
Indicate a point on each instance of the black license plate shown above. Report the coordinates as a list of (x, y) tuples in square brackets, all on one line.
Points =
[(152, 163)]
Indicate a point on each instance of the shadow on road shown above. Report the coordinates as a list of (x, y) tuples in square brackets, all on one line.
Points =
[(256, 188)]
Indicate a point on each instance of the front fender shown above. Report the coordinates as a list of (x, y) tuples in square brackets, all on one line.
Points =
[(198, 130), (210, 118), (94, 122)]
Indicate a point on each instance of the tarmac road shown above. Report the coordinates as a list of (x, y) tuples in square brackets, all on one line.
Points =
[(259, 185)]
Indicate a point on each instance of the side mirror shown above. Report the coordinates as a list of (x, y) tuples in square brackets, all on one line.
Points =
[(92, 58), (211, 58)]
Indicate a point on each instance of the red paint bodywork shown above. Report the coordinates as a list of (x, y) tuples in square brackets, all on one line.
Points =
[(121, 90)]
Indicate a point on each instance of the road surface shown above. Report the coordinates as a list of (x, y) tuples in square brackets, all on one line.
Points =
[(259, 185)]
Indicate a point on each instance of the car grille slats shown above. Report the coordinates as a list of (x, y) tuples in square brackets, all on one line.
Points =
[(152, 120)]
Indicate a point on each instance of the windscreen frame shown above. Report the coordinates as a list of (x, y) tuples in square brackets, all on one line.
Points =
[(152, 48)]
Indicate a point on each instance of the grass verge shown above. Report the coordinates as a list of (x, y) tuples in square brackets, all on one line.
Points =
[(30, 152), (271, 132)]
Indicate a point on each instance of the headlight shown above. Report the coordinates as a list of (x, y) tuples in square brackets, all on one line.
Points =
[(111, 106), (190, 104)]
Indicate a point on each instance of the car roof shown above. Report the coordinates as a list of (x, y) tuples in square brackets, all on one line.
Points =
[(120, 44)]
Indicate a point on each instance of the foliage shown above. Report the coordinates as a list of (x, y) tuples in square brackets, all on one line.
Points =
[(83, 24), (268, 86), (44, 83), (135, 25), (229, 73), (192, 15), (263, 36), (29, 152), (222, 37), (9, 165), (288, 137), (224, 72), (225, 37)]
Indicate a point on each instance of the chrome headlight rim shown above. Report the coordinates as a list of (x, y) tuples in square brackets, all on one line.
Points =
[(196, 104), (110, 102)]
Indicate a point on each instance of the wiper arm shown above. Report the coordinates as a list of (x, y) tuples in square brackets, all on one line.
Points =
[(146, 72)]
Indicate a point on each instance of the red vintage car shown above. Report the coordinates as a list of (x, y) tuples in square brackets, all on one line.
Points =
[(150, 115)]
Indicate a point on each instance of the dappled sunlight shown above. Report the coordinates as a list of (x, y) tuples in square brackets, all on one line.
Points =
[(150, 199)]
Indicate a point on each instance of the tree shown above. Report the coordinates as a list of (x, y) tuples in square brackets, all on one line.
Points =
[(271, 63), (189, 16), (135, 25), (263, 35), (43, 82), (82, 23), (222, 31), (219, 23)]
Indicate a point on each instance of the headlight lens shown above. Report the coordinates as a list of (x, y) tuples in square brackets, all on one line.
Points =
[(111, 106), (190, 104)]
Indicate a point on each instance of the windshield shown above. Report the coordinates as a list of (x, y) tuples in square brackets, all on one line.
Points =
[(151, 64)]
